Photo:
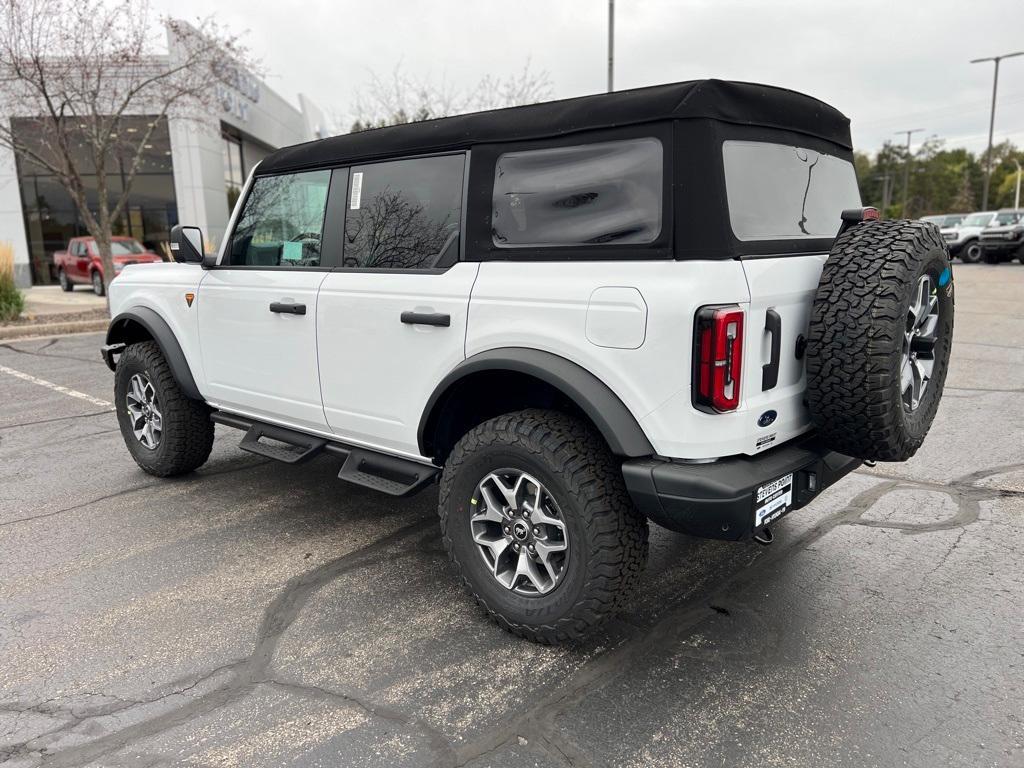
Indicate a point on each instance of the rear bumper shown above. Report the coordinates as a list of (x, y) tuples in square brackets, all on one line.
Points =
[(718, 500)]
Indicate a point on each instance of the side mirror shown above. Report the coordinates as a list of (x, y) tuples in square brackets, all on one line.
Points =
[(187, 244)]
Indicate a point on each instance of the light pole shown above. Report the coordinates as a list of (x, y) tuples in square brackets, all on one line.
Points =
[(611, 45), (992, 120), (1016, 195), (906, 171)]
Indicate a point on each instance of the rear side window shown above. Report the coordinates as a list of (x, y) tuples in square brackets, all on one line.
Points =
[(405, 214), (282, 221), (780, 192), (608, 192)]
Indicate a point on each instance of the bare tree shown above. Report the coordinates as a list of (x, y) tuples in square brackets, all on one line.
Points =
[(80, 69), (404, 98)]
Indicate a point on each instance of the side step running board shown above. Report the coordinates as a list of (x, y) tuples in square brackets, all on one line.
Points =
[(388, 474), (289, 446)]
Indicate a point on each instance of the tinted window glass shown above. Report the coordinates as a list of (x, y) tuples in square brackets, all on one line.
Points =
[(124, 247), (404, 214), (777, 191), (588, 194), (281, 223)]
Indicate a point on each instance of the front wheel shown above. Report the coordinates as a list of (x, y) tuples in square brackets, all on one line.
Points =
[(97, 283), (971, 254), (65, 284), (166, 432), (537, 521)]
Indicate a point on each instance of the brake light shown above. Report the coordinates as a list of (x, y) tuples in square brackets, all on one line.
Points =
[(718, 358)]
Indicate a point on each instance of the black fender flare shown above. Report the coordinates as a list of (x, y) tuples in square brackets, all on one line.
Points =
[(161, 333), (603, 407)]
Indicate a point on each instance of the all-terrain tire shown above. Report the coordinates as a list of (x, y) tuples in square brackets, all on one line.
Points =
[(187, 432), (607, 536), (971, 252), (858, 327)]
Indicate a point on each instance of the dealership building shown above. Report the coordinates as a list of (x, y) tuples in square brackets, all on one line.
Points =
[(192, 173)]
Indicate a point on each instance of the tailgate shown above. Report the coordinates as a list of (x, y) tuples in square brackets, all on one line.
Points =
[(781, 294)]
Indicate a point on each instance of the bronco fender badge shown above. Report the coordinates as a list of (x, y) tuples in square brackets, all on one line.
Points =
[(189, 298), (767, 419)]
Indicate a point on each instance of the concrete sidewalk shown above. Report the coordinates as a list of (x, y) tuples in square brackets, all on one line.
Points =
[(43, 300), (49, 311)]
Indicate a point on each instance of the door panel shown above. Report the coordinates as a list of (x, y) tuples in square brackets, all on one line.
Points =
[(256, 360), (376, 371)]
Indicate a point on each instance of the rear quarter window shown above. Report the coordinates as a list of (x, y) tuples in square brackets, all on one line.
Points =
[(780, 192), (589, 194)]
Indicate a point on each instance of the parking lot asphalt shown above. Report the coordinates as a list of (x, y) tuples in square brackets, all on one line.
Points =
[(258, 614)]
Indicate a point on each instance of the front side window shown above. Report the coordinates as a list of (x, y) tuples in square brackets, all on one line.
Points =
[(779, 191), (281, 221), (589, 194), (404, 214)]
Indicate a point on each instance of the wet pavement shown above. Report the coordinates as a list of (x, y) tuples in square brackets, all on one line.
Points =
[(258, 614)]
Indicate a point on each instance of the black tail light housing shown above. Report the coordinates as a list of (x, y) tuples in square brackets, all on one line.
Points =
[(717, 358)]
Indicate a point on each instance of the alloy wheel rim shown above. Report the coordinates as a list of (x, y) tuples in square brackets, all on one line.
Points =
[(144, 411), (520, 532), (919, 338)]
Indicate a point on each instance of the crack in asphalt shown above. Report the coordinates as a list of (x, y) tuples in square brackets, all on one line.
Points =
[(39, 353), (535, 725), (57, 418), (194, 477), (245, 674)]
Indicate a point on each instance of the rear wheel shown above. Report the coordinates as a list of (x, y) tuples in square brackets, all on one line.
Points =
[(971, 253), (538, 523), (97, 283), (166, 432), (65, 284)]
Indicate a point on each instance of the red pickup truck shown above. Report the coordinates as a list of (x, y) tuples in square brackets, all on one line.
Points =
[(80, 263)]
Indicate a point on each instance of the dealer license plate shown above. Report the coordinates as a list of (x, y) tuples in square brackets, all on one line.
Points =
[(773, 500)]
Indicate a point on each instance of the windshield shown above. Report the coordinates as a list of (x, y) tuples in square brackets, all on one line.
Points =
[(778, 191), (953, 221), (1006, 217), (125, 247), (978, 220), (940, 220)]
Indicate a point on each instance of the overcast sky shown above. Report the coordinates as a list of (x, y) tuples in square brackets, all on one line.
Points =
[(889, 66)]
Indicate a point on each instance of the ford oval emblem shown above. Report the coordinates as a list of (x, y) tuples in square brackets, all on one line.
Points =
[(767, 419)]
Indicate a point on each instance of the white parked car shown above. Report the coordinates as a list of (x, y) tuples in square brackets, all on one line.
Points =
[(964, 239), (664, 304)]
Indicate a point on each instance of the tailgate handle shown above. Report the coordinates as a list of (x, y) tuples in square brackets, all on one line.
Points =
[(770, 371)]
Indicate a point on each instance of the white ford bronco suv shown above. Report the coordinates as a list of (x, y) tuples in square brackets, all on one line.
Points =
[(661, 304)]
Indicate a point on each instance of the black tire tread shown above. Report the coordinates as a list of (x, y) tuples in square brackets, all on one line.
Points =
[(856, 330), (617, 531), (188, 432)]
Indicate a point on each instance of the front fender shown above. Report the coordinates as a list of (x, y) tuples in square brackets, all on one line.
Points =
[(142, 323)]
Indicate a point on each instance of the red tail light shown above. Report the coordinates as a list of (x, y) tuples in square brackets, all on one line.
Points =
[(718, 358)]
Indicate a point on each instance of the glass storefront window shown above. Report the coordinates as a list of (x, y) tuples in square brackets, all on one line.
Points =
[(233, 179), (51, 218)]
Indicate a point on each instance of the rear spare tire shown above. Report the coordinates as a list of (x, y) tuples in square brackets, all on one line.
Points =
[(879, 339)]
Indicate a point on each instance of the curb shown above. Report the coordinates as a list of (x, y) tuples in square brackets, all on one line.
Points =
[(52, 329)]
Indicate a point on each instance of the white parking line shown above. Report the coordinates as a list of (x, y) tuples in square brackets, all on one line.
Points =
[(57, 387)]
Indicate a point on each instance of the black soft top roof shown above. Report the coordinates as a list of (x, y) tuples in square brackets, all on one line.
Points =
[(731, 102)]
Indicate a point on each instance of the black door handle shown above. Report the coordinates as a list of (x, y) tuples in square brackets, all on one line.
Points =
[(287, 308), (426, 318), (770, 372)]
